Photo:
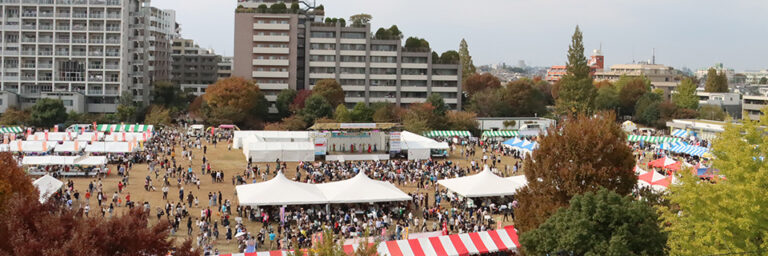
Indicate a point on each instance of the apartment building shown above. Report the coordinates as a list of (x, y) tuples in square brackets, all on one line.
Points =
[(194, 68), (150, 36), (661, 76), (225, 68), (596, 63), (78, 51), (753, 106), (728, 101), (295, 50), (371, 70)]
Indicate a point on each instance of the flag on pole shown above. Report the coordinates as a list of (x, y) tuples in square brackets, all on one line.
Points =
[(18, 143), (123, 136), (56, 128), (13, 136), (95, 135), (5, 139), (77, 146), (213, 129), (45, 146), (29, 132)]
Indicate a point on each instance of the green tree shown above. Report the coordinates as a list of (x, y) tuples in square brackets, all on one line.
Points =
[(360, 20), (126, 109), (478, 82), (647, 109), (262, 8), (283, 102), (158, 115), (295, 7), (170, 96), (723, 216), (686, 95), (435, 58), (763, 80), (278, 8), (436, 100), (712, 112), (315, 107), (361, 113), (598, 223), (576, 93), (629, 93), (585, 154), (341, 114), (330, 89), (449, 57), (716, 82), (47, 112), (467, 67), (382, 34), (421, 118), (14, 116), (385, 112), (517, 98), (415, 44), (607, 98), (462, 121), (395, 32)]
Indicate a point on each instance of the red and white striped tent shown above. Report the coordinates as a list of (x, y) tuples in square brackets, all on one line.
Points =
[(477, 243)]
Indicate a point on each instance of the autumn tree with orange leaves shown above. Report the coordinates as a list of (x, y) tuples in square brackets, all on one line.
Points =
[(583, 154)]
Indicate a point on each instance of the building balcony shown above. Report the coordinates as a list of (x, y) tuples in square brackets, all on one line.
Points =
[(351, 76), (384, 53), (383, 77), (354, 99), (414, 65), (445, 77), (322, 75), (322, 64), (383, 65), (258, 62), (271, 38), (272, 86), (352, 53), (258, 26), (413, 77), (322, 40), (269, 74), (352, 64), (271, 50)]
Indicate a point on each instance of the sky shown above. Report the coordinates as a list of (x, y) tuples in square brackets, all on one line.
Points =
[(685, 33)]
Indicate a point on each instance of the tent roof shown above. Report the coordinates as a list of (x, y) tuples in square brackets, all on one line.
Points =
[(69, 146), (361, 189), (348, 126), (279, 191), (47, 185), (411, 140), (64, 160), (110, 147), (483, 184)]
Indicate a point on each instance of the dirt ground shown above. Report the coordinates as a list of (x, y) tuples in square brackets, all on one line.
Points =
[(231, 162)]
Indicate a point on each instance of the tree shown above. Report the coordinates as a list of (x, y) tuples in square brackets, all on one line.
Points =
[(395, 32), (342, 114), (298, 101), (14, 116), (545, 88), (262, 8), (576, 93), (360, 20), (585, 154), (420, 118), (158, 115), (712, 112), (295, 7), (361, 113), (126, 109), (47, 112), (382, 34), (449, 57), (522, 99), (478, 82), (385, 112), (283, 102), (436, 100), (435, 58), (647, 109), (462, 121), (316, 107), (13, 183), (723, 216), (170, 96), (278, 8), (330, 89), (598, 223), (294, 123), (686, 95), (607, 98), (415, 44), (630, 93), (233, 100), (467, 67), (763, 80), (716, 82)]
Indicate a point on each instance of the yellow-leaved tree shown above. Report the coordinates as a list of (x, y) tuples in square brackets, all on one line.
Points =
[(728, 216)]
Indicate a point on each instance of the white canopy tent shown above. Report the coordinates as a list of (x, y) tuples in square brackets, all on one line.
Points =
[(47, 185), (419, 147), (52, 136), (111, 147), (279, 191), (361, 189), (127, 136), (284, 151), (483, 184), (70, 147), (88, 136), (64, 160), (242, 138), (520, 181), (32, 146)]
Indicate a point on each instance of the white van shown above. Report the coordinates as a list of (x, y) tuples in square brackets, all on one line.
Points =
[(196, 130)]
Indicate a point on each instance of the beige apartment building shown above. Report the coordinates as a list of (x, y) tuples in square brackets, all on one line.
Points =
[(662, 77)]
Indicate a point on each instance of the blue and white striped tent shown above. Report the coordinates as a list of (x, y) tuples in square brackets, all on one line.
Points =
[(524, 145), (682, 133), (671, 145), (690, 150)]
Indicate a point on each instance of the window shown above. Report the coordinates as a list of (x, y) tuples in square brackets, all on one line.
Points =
[(323, 34), (352, 58), (323, 70), (445, 72), (413, 71), (376, 82), (383, 71), (324, 58), (352, 82), (384, 59), (384, 47), (413, 94), (414, 59), (413, 82), (382, 94), (355, 35), (444, 83), (447, 95), (322, 46), (353, 47), (353, 70), (354, 94)]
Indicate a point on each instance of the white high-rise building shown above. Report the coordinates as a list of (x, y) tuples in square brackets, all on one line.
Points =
[(84, 52)]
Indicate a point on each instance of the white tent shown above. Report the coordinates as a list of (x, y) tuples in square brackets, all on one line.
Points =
[(88, 136), (419, 147), (361, 189), (285, 151), (47, 185), (71, 146), (279, 191), (483, 184), (64, 160), (126, 136), (111, 147), (520, 181), (32, 146), (242, 138), (52, 136)]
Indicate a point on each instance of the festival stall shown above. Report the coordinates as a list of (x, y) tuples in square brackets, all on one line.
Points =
[(11, 129), (629, 126), (361, 189), (419, 147), (52, 136), (283, 151), (124, 128), (651, 139), (690, 150), (47, 186), (279, 191), (654, 180), (433, 134), (483, 184), (85, 165), (680, 133), (70, 147), (665, 163), (32, 146), (525, 146), (520, 181), (476, 243), (503, 133), (90, 136), (128, 136), (111, 147)]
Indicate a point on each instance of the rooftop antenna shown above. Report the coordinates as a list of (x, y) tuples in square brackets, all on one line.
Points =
[(654, 56)]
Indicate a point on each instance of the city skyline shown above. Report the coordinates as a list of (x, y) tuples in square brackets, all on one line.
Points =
[(679, 32)]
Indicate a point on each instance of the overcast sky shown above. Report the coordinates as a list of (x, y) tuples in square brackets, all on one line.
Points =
[(685, 33)]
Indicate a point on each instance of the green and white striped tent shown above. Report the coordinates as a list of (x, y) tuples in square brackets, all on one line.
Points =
[(652, 139), (123, 127), (448, 134), (11, 129), (487, 134)]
